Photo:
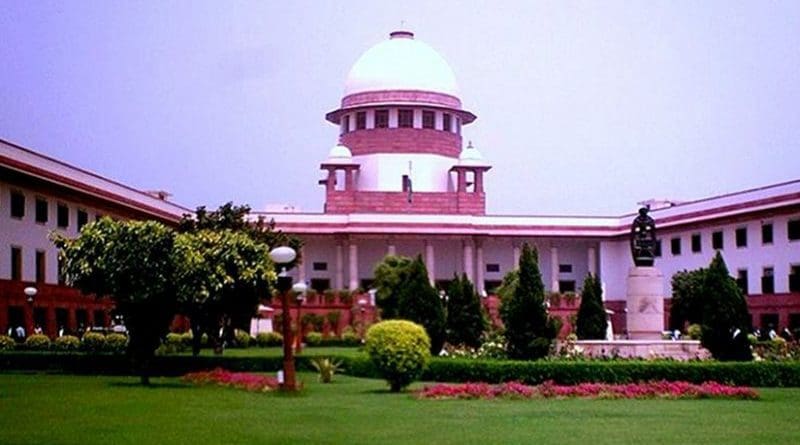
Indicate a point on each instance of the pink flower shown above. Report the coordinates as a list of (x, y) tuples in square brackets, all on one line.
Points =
[(243, 380)]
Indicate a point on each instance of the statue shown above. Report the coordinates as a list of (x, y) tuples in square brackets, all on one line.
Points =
[(643, 239)]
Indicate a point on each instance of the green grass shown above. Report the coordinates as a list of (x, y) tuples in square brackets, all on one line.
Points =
[(278, 351), (56, 409)]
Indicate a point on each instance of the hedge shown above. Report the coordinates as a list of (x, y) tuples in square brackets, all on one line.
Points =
[(758, 374)]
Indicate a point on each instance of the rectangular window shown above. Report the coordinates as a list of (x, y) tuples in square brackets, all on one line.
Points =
[(62, 216), (717, 241), (566, 286), (675, 246), (345, 124), (741, 280), (320, 284), (793, 230), (381, 118), (794, 279), (741, 237), (361, 120), (16, 263), (319, 266), (766, 233), (405, 118), (697, 243), (83, 219), (492, 267), (41, 210), (768, 281), (40, 266), (17, 205), (367, 284), (428, 119), (447, 122), (657, 250), (458, 126), (565, 268)]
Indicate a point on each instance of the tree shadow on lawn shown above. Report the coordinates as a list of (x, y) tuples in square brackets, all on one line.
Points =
[(153, 385)]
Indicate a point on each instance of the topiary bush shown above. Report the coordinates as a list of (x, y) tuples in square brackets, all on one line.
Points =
[(67, 343), (349, 337), (116, 343), (173, 343), (694, 331), (266, 339), (93, 342), (186, 339), (7, 343), (37, 342), (313, 339), (242, 339), (400, 350)]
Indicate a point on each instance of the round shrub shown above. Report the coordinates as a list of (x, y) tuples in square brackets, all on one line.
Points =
[(242, 339), (7, 343), (314, 339), (400, 350), (694, 331), (266, 339), (93, 342), (116, 343), (186, 340), (173, 343), (37, 342), (67, 343)]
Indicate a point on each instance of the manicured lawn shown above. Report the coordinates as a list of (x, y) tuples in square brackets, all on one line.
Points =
[(52, 409), (278, 351)]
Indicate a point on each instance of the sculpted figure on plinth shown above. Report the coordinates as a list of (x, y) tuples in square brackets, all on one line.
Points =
[(643, 239)]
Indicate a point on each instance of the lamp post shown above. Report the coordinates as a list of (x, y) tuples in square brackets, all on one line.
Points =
[(299, 289), (282, 256), (362, 302)]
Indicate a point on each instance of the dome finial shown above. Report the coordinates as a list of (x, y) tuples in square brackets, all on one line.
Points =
[(469, 144)]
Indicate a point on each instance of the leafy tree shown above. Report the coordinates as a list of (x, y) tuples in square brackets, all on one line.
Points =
[(419, 302), (687, 302), (465, 319), (509, 285), (591, 323), (235, 218), (220, 277), (528, 330), (725, 317), (131, 262), (389, 275)]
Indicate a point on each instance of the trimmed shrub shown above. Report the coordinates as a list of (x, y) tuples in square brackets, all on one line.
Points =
[(266, 339), (37, 342), (725, 314), (7, 343), (116, 343), (400, 351), (349, 337), (67, 343), (173, 343), (93, 342), (591, 320), (242, 339), (419, 302), (186, 339), (314, 339), (465, 320), (694, 331)]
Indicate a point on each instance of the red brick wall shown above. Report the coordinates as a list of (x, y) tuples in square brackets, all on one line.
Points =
[(402, 140), (397, 202)]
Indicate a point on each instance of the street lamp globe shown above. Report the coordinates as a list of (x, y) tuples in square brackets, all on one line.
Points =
[(300, 288), (282, 255), (30, 292)]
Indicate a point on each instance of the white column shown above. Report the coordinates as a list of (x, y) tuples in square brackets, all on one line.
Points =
[(353, 257), (301, 268), (554, 269), (479, 267), (391, 249), (339, 265), (430, 262), (515, 247), (591, 257), (469, 265)]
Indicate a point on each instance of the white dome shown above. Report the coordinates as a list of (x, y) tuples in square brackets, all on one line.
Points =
[(339, 155), (470, 156), (401, 63)]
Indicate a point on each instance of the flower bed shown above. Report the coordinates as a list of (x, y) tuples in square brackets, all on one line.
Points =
[(242, 380), (647, 390)]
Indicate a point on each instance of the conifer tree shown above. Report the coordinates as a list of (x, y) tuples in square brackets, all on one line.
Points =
[(419, 302), (726, 319), (465, 320), (591, 323), (528, 330)]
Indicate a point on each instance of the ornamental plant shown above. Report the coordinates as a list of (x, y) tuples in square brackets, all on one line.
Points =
[(67, 343), (37, 342), (725, 317), (591, 323), (265, 339), (314, 339), (242, 380), (93, 342), (400, 351), (326, 367), (116, 343), (419, 302), (7, 343), (465, 320)]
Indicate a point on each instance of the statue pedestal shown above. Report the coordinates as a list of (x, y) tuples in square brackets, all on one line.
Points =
[(645, 301)]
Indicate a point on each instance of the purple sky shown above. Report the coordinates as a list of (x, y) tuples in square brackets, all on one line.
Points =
[(578, 103)]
